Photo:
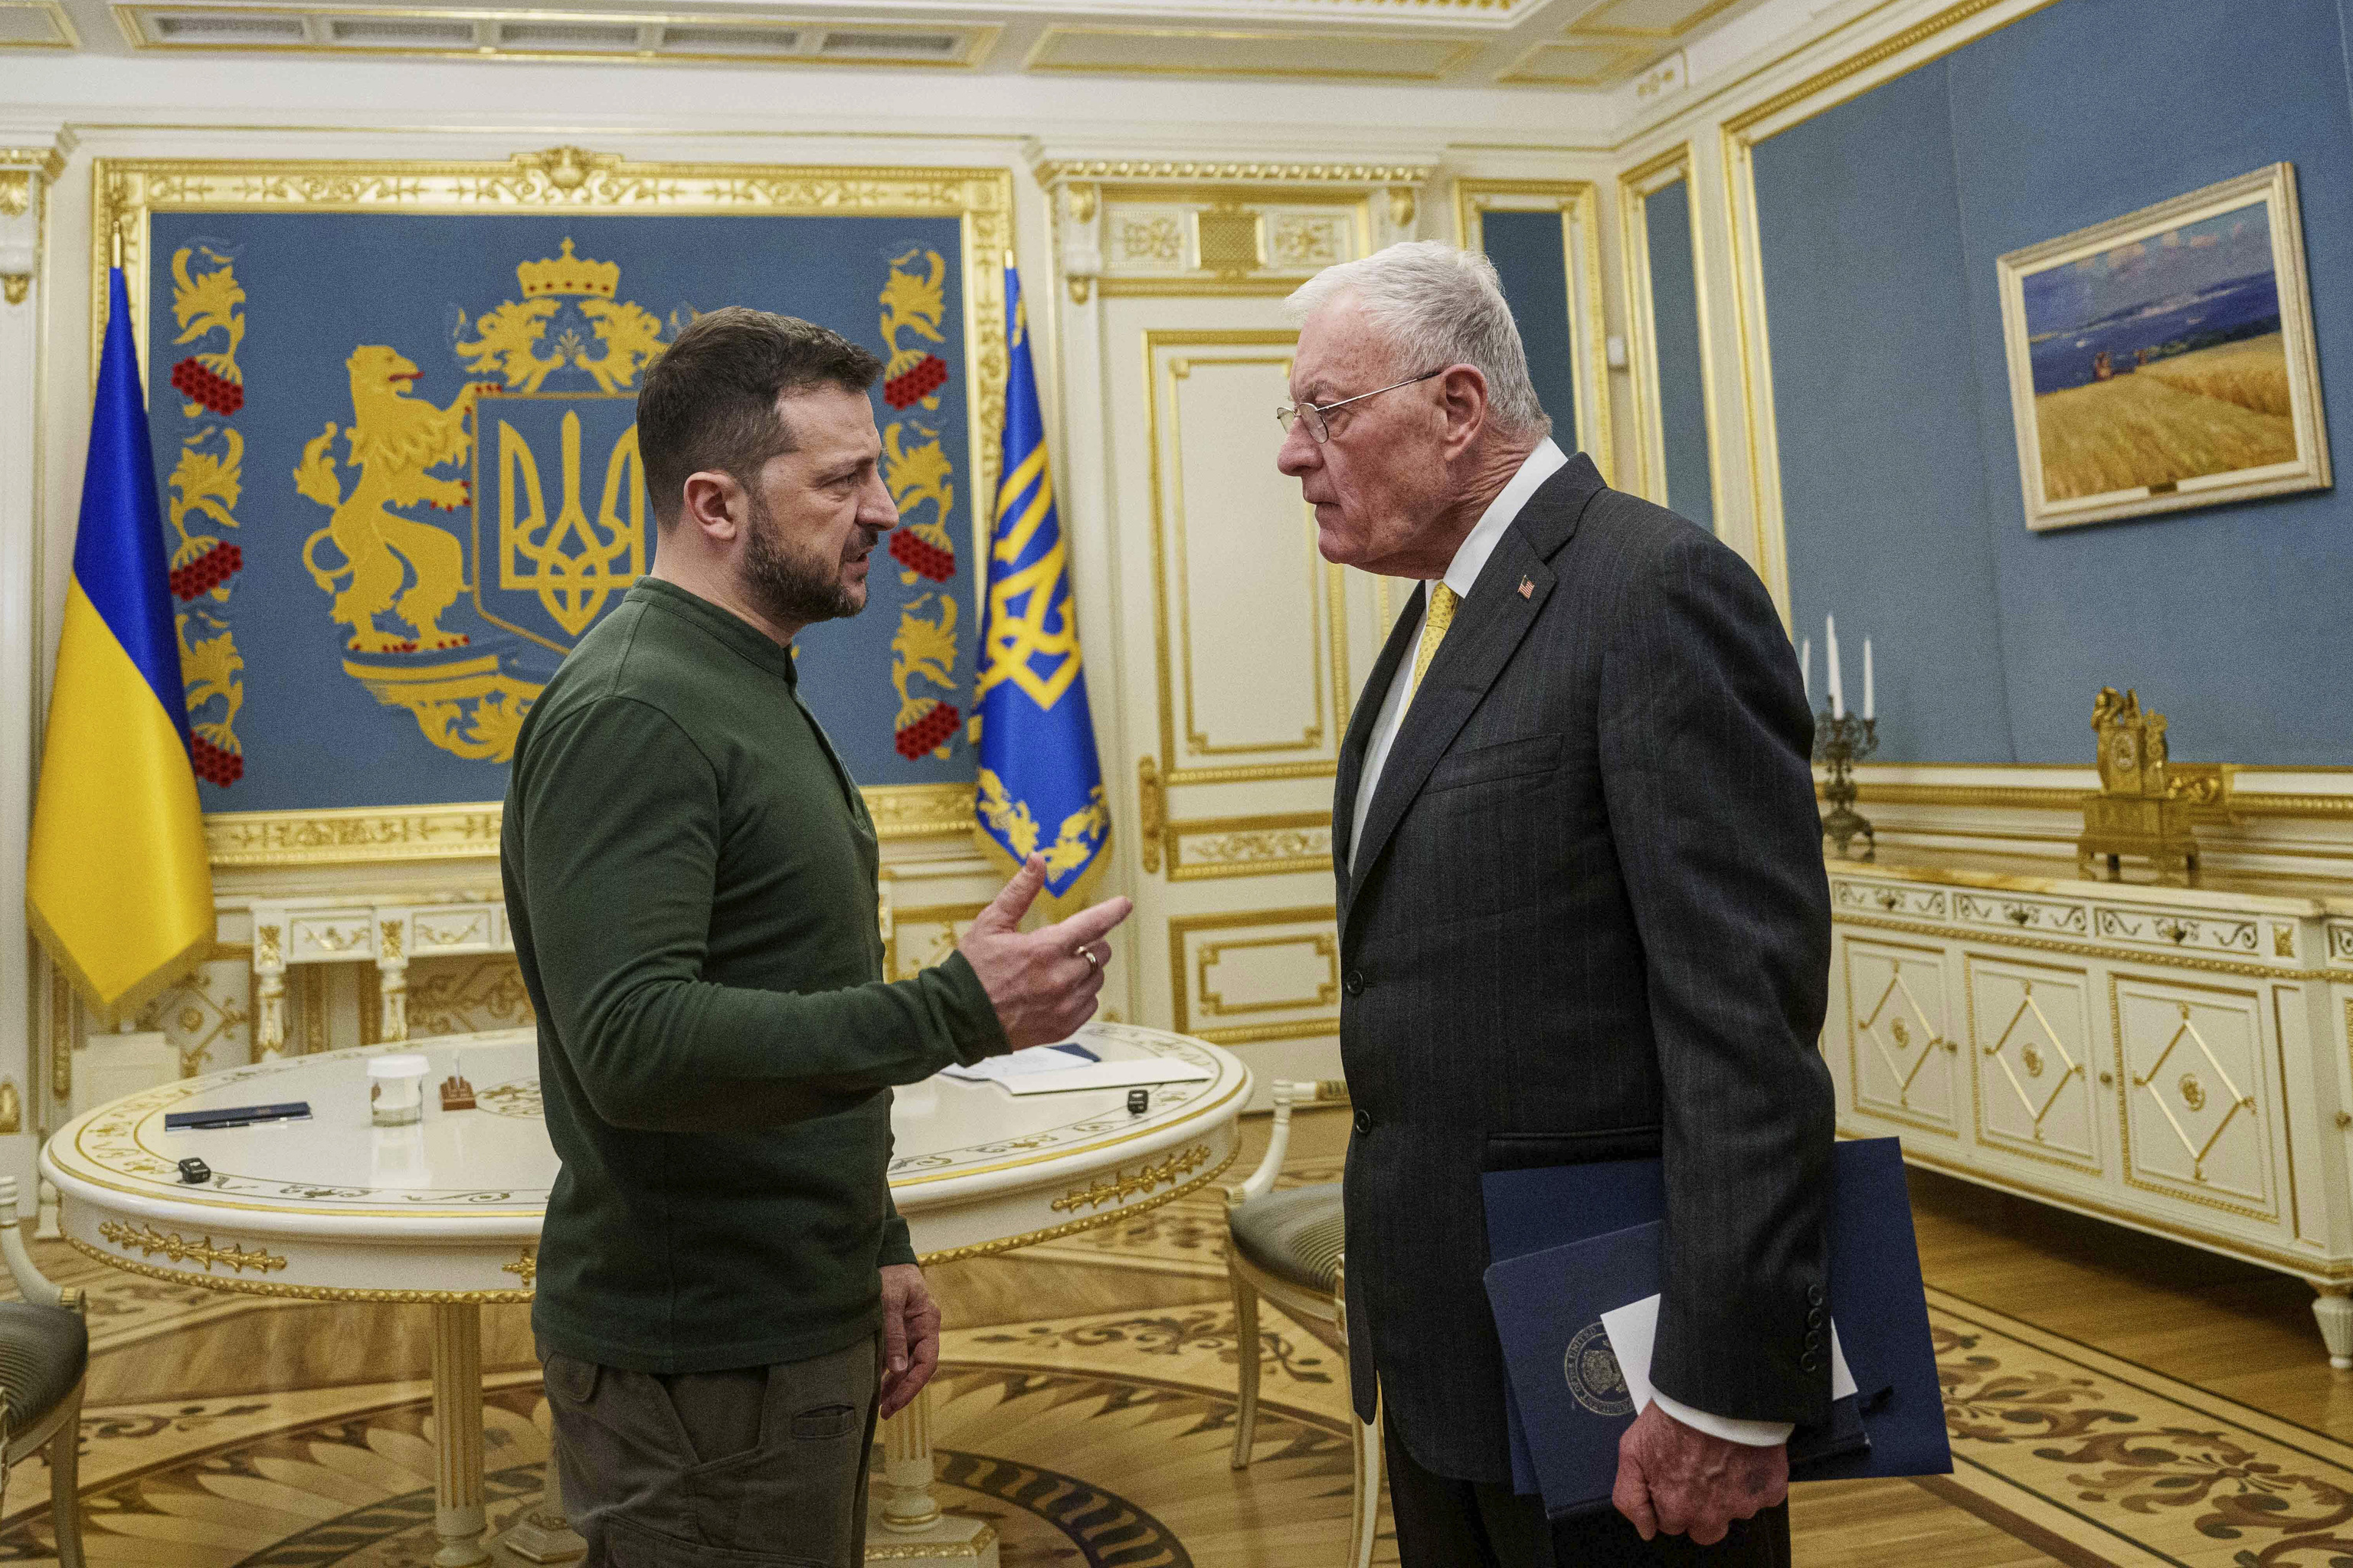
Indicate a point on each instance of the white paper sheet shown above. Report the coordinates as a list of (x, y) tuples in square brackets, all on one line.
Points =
[(1633, 1329), (1049, 1070)]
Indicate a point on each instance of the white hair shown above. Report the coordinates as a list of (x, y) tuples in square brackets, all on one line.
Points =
[(1438, 306)]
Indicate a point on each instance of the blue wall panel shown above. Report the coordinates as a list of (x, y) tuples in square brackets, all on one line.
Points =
[(1530, 255), (1883, 476), (1882, 221), (1674, 312)]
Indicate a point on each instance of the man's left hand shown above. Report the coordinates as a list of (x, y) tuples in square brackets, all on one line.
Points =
[(911, 1336), (1678, 1481)]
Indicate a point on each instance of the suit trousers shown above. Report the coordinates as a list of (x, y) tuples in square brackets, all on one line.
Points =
[(753, 1467), (1446, 1524)]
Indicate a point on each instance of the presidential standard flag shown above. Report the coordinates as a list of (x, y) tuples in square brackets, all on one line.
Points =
[(117, 884), (1040, 785)]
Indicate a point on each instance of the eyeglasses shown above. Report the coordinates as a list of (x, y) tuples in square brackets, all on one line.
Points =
[(1314, 414)]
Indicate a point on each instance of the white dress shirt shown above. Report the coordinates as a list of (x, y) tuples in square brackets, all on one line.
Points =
[(1470, 559)]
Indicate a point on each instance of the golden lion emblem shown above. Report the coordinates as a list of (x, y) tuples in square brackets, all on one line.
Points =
[(390, 564)]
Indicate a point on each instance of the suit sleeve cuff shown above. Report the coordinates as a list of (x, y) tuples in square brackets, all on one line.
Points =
[(1754, 1434)]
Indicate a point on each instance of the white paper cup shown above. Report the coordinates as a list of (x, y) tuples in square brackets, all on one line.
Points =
[(396, 1090)]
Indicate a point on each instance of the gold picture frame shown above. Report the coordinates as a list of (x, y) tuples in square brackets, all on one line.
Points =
[(565, 179), (2164, 359)]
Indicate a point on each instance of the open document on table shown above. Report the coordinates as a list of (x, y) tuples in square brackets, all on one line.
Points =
[(1057, 1069)]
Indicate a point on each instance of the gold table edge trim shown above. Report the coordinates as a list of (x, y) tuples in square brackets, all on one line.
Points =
[(287, 1291)]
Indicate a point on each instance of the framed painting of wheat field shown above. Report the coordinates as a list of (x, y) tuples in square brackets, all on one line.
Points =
[(2164, 359)]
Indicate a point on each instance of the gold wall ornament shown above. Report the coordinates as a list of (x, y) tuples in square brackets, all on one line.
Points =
[(1403, 206), (1119, 1186), (15, 192), (147, 1240), (1155, 169), (525, 1266), (17, 286), (1151, 810), (2145, 800), (11, 1106)]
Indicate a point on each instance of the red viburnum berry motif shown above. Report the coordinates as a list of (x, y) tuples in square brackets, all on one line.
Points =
[(911, 386), (929, 733), (201, 574), (215, 765), (920, 556), (199, 384)]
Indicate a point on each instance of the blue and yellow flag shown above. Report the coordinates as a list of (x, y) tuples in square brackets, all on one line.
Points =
[(117, 884), (1041, 783)]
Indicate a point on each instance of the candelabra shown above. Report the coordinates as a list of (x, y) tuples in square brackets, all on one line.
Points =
[(1841, 741)]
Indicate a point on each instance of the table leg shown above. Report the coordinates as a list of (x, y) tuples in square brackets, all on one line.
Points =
[(458, 1516), (544, 1533), (909, 1517)]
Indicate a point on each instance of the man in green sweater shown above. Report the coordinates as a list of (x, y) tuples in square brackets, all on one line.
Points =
[(727, 1298)]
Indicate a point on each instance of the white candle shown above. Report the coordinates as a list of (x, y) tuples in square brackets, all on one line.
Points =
[(1806, 667), (1867, 706), (1838, 687)]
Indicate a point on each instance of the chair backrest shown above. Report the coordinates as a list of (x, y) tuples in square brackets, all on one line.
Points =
[(1286, 1092), (31, 1283)]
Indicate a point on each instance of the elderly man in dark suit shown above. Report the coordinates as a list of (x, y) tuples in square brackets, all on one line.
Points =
[(1583, 915)]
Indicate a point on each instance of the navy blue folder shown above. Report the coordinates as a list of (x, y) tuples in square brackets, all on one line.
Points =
[(1875, 1292)]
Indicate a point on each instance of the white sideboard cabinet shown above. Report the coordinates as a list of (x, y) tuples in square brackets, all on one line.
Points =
[(2178, 1060)]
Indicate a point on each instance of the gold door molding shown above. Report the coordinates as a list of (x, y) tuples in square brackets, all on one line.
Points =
[(1265, 845), (1195, 754), (1578, 206), (1635, 187), (1200, 946), (1183, 241)]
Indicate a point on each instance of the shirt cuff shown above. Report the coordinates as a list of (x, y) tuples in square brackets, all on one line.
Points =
[(1754, 1434)]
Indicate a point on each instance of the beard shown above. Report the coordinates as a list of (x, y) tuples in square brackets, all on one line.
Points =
[(790, 583)]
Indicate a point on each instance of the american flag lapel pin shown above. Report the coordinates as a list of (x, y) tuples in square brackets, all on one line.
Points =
[(1527, 588)]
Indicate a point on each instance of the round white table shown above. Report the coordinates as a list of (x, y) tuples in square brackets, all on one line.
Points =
[(446, 1213)]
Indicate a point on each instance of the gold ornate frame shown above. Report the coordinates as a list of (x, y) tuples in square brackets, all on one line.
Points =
[(1635, 187), (1578, 205), (125, 192)]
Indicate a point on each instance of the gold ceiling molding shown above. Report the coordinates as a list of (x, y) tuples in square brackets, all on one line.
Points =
[(50, 11), (47, 162), (1051, 170), (1595, 24), (470, 831), (1855, 65)]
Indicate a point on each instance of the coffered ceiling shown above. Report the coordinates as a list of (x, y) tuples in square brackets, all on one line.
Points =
[(1559, 44)]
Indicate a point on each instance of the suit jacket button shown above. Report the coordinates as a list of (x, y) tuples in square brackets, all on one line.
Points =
[(1813, 1317), (1813, 1338), (1813, 1294), (1810, 1362), (1364, 1120), (1355, 982)]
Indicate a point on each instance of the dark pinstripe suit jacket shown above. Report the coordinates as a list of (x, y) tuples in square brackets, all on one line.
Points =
[(1589, 919)]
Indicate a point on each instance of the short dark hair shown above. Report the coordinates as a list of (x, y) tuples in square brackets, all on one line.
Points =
[(710, 401)]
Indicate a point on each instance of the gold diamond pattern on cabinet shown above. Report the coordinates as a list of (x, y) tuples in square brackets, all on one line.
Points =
[(1900, 1046), (2197, 1116), (2031, 1027)]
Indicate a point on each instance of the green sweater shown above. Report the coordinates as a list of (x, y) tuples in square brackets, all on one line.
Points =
[(690, 876)]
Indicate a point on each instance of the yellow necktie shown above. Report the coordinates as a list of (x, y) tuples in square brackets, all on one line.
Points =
[(1442, 600)]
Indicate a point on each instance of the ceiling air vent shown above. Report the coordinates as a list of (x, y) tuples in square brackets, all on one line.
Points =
[(396, 33), (598, 37), (725, 42), (842, 44), (225, 28)]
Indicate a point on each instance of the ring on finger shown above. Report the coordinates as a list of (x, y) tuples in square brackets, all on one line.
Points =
[(1089, 953)]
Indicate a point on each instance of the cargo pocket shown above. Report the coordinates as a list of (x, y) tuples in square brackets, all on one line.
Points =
[(795, 1497)]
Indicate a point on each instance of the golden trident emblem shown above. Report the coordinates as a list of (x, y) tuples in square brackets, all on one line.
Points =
[(572, 563)]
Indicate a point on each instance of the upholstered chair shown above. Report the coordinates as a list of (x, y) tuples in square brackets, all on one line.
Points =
[(1286, 1246), (44, 1355)]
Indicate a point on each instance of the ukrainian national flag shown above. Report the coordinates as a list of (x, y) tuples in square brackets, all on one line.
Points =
[(118, 886), (1041, 783)]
